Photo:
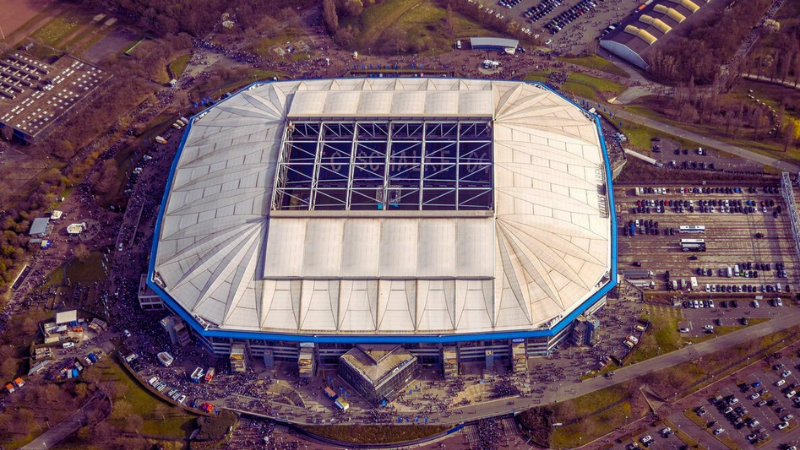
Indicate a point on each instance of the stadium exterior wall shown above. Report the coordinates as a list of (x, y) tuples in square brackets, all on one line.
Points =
[(218, 341)]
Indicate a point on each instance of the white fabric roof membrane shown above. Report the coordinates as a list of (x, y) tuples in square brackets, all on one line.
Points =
[(542, 254)]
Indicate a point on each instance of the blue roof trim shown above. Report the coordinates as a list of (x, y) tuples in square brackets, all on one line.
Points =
[(364, 339)]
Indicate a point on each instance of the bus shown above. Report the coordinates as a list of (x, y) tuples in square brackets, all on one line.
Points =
[(692, 229), (695, 245)]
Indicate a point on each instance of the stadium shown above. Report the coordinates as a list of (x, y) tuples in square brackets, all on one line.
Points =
[(461, 220)]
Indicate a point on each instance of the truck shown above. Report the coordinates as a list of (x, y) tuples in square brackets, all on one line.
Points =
[(209, 374), (638, 274), (729, 272), (694, 283), (165, 359), (161, 140), (674, 285), (342, 404), (633, 229), (736, 270), (196, 375)]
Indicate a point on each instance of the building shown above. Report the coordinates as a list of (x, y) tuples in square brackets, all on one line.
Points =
[(40, 227), (35, 95), (378, 372), (491, 43), (647, 26), (306, 362), (176, 330), (472, 214), (238, 358), (148, 300)]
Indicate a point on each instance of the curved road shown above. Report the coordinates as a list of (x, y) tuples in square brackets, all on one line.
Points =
[(704, 140)]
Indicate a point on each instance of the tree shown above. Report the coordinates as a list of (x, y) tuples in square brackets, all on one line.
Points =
[(329, 13), (107, 177), (81, 252), (772, 26), (134, 423), (449, 25)]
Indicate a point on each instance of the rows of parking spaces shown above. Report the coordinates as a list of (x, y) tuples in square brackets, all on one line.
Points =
[(758, 409), (736, 241), (661, 438)]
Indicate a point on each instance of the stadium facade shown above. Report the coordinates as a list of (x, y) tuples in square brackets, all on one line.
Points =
[(472, 218)]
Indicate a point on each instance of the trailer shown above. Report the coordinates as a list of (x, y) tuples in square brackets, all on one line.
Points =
[(692, 229), (638, 274)]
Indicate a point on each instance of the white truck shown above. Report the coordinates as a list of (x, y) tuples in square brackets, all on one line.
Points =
[(694, 283)]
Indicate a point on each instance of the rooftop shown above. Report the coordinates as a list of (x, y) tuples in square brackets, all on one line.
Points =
[(33, 94), (375, 362), (536, 249)]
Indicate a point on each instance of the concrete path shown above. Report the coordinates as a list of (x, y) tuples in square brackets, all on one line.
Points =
[(568, 390), (71, 424)]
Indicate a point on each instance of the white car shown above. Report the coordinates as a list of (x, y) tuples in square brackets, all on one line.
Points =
[(719, 431), (126, 333), (708, 327), (666, 432), (787, 417), (754, 396), (780, 383), (686, 330), (67, 345), (786, 373), (791, 394), (783, 425)]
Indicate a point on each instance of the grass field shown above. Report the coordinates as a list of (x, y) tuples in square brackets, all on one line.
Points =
[(582, 85), (598, 63), (648, 107), (173, 424), (616, 406), (88, 271), (179, 65), (61, 27), (409, 25)]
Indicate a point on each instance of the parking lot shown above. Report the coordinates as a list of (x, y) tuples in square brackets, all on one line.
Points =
[(746, 228), (756, 408), (572, 35)]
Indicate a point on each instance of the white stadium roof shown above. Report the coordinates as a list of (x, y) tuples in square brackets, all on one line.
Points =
[(541, 249)]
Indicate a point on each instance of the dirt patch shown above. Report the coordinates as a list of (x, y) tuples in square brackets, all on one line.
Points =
[(118, 40), (17, 13)]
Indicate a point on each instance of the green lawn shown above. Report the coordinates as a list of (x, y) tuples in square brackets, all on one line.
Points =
[(88, 271), (590, 87), (649, 107), (661, 337), (581, 85), (598, 63), (175, 423), (418, 25), (58, 29), (592, 423), (179, 65)]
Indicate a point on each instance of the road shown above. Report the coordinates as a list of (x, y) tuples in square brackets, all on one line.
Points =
[(703, 140), (567, 391)]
